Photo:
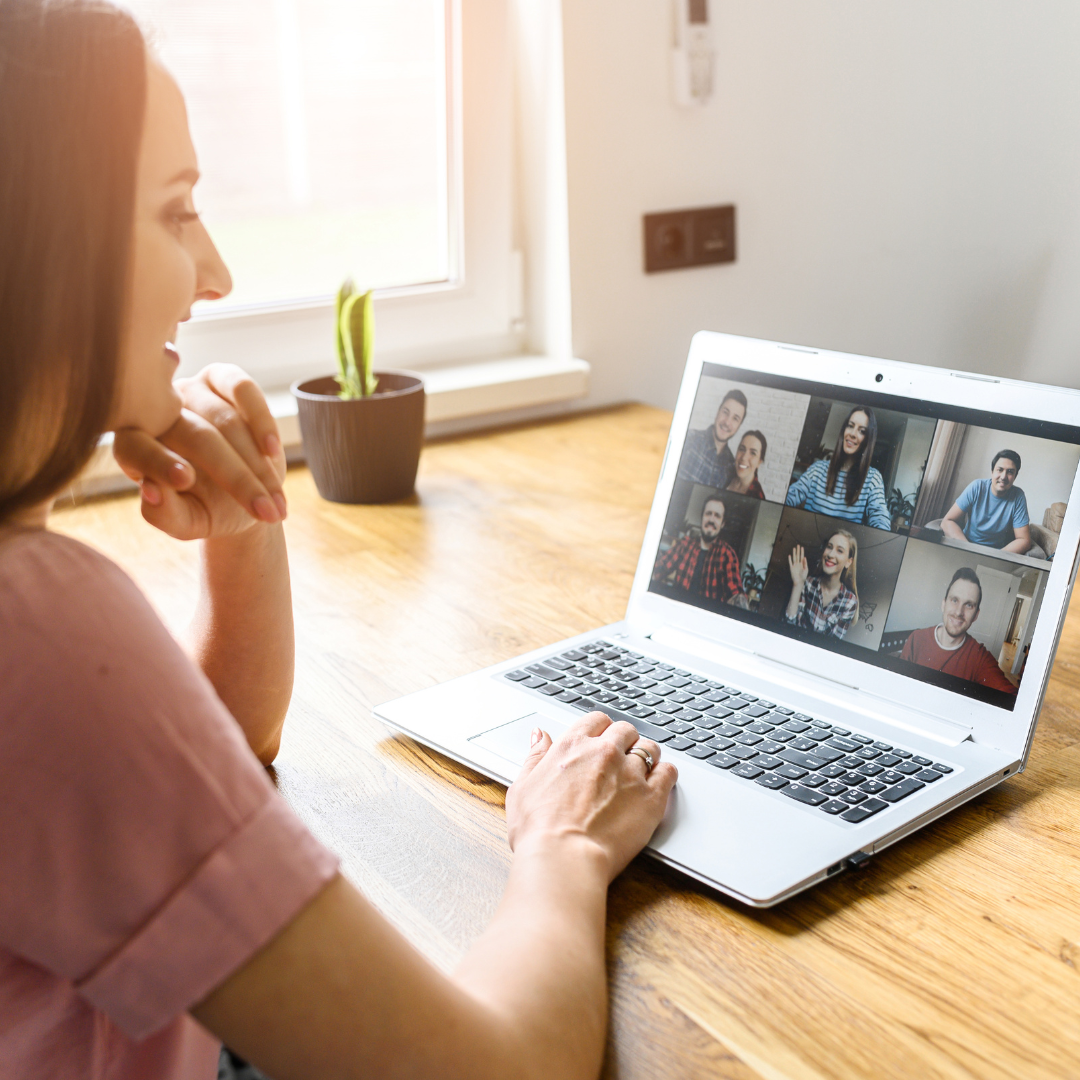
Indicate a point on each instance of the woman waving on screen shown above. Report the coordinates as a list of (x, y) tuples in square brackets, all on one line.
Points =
[(826, 603), (847, 486)]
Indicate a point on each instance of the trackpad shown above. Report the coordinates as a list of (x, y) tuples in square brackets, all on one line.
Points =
[(511, 741)]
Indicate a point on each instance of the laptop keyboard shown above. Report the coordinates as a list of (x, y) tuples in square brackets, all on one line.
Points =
[(842, 773)]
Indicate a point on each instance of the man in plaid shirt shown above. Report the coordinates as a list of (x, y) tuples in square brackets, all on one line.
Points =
[(706, 458), (704, 566)]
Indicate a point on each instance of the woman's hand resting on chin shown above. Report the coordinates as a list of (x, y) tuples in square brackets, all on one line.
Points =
[(218, 470)]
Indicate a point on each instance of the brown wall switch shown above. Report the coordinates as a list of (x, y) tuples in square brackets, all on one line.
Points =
[(681, 238)]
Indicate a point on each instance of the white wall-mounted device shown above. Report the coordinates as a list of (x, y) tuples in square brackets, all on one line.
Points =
[(692, 54)]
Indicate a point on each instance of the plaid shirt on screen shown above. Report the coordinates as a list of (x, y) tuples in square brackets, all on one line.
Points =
[(720, 576), (833, 618), (702, 464)]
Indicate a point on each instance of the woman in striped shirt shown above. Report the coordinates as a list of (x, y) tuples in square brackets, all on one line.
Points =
[(848, 486)]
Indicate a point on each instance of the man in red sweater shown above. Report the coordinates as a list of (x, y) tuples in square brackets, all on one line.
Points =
[(948, 646)]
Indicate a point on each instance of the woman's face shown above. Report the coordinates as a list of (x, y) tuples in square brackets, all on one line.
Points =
[(173, 264), (748, 458), (836, 557), (855, 432)]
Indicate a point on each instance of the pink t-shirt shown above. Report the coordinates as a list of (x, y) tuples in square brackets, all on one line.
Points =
[(144, 854)]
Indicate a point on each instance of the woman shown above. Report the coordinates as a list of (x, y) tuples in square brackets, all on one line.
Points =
[(829, 602), (151, 875), (847, 486), (749, 456)]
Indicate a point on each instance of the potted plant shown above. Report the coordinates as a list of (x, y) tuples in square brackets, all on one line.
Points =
[(362, 429)]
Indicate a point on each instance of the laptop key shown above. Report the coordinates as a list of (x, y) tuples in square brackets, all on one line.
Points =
[(550, 673), (884, 746), (641, 712), (558, 663), (862, 740), (699, 736), (870, 768), (723, 761), (821, 724), (700, 752), (516, 676), (551, 689), (851, 779), (748, 738), (868, 752), (851, 762), (736, 703), (633, 692), (743, 753), (770, 747), (803, 716), (872, 787), (767, 761), (747, 771), (817, 734), (767, 704), (682, 697), (679, 743), (908, 768), (690, 715), (771, 781), (867, 809), (888, 760), (837, 743), (680, 727), (574, 655), (833, 788), (813, 781), (853, 795), (718, 696), (941, 768), (532, 682), (903, 790), (826, 753), (783, 709), (792, 772), (761, 728), (804, 761), (669, 707), (718, 742), (834, 806), (804, 795), (905, 754), (840, 731), (802, 743), (831, 771), (890, 777), (928, 776), (922, 761), (568, 696), (755, 711)]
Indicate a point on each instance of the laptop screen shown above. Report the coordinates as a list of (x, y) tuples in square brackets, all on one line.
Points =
[(909, 535)]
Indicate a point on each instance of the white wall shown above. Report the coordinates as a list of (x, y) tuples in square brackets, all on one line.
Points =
[(905, 175), (1046, 468)]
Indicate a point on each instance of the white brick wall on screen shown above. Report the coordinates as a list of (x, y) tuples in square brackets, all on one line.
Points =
[(779, 415)]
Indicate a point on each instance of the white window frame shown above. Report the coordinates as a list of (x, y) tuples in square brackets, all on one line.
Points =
[(476, 313)]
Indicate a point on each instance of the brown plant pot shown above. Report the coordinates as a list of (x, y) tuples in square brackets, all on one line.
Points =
[(363, 451)]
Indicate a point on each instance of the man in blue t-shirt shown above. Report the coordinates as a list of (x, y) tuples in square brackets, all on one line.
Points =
[(996, 510)]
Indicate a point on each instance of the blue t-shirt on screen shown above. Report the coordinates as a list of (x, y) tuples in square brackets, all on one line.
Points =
[(992, 521)]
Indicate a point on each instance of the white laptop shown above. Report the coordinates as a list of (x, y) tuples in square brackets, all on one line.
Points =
[(843, 619)]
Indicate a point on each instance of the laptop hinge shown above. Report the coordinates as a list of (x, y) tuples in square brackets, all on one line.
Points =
[(846, 695)]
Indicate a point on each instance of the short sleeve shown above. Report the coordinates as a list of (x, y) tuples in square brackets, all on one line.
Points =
[(146, 855), (968, 497), (1020, 512)]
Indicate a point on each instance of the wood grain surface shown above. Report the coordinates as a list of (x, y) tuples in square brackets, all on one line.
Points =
[(954, 954)]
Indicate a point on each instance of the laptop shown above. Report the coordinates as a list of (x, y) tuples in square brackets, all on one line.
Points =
[(843, 619)]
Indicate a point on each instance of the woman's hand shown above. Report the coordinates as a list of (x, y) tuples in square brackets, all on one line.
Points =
[(799, 569), (588, 786), (218, 470)]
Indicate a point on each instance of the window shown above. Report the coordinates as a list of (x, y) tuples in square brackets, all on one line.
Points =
[(322, 132), (342, 137)]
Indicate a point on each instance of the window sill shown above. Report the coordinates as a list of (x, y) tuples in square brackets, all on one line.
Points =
[(461, 398)]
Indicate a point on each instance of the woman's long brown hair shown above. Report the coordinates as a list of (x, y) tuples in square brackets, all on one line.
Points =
[(72, 98), (856, 475)]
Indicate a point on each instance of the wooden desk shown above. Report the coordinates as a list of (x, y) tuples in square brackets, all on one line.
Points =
[(954, 954)]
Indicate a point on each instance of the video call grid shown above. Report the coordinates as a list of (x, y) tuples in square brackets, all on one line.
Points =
[(794, 429)]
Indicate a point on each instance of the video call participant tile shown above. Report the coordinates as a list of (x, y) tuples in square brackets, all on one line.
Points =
[(860, 464), (964, 614), (995, 489), (832, 579), (742, 438)]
